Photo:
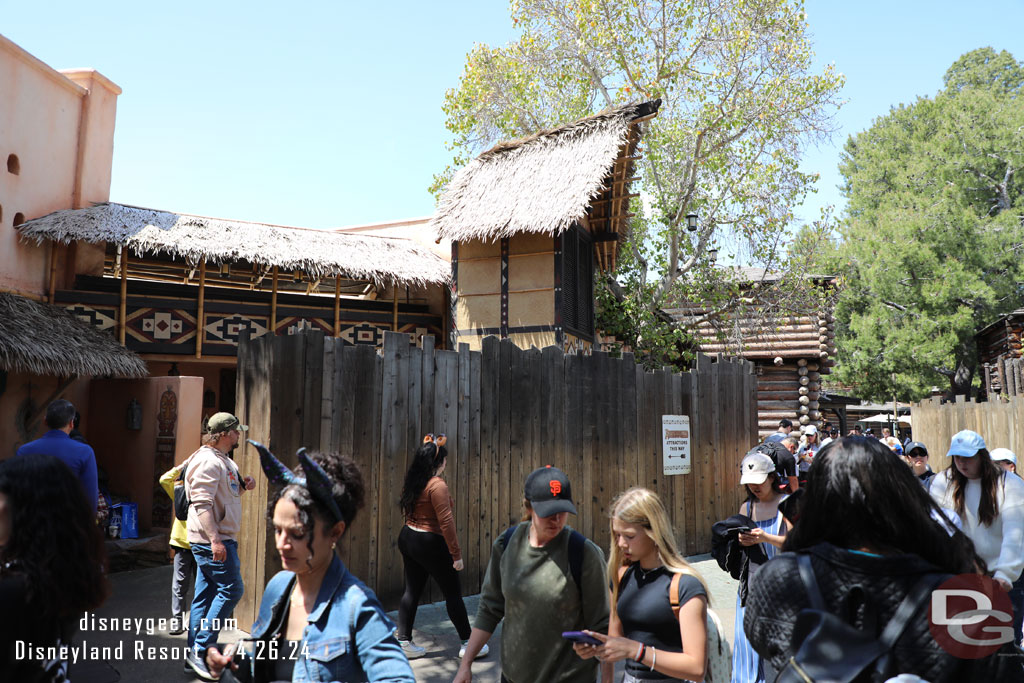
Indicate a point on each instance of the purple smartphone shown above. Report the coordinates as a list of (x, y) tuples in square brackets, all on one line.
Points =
[(580, 637)]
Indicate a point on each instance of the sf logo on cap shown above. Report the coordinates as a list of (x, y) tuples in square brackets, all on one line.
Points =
[(556, 488)]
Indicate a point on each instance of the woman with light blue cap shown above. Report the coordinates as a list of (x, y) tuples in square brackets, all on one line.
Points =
[(990, 503)]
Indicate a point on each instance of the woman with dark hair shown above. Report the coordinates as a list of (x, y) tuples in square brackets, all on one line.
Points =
[(429, 544), (990, 503), (761, 481), (317, 622), (51, 562), (868, 531)]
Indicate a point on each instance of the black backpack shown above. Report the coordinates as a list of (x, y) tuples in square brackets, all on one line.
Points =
[(818, 635), (181, 499), (576, 543)]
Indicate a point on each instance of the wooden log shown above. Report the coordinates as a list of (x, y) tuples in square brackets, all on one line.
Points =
[(200, 325), (803, 391), (802, 362), (804, 381), (122, 317), (802, 371)]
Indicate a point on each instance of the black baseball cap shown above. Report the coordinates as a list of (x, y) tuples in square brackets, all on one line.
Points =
[(914, 445), (549, 491)]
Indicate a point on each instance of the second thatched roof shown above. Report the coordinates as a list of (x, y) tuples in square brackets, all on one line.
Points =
[(540, 184), (320, 253), (47, 340)]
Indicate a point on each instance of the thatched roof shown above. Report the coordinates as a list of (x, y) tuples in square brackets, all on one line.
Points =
[(540, 184), (46, 340), (320, 253)]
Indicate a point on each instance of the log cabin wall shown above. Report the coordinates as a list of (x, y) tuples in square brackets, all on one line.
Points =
[(999, 353), (791, 355)]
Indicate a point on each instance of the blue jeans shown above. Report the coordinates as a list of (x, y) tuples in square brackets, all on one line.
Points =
[(218, 589)]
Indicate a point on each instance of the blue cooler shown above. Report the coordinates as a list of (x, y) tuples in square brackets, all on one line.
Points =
[(129, 514)]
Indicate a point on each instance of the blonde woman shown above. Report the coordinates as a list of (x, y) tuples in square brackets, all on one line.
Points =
[(657, 642)]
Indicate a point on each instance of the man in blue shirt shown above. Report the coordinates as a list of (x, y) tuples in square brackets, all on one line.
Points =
[(78, 456)]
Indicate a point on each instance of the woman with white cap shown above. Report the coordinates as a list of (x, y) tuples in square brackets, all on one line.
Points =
[(758, 475), (990, 503), (1005, 458)]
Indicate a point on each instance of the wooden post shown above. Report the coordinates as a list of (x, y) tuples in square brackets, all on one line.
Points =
[(53, 270), (122, 322), (202, 304), (337, 305), (394, 307), (273, 304)]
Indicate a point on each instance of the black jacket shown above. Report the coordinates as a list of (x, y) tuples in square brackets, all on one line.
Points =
[(730, 555), (865, 591)]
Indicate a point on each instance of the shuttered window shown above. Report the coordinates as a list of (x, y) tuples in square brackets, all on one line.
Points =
[(578, 282)]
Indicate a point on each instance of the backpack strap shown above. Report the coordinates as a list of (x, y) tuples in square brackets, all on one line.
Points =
[(673, 594), (577, 541), (915, 599), (803, 563)]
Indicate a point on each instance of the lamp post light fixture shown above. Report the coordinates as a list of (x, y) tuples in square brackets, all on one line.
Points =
[(713, 254), (691, 222)]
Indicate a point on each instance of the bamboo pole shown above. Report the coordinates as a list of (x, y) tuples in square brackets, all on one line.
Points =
[(53, 270), (202, 305), (122, 321), (273, 304), (337, 305)]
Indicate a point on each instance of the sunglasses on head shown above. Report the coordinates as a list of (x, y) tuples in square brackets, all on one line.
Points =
[(438, 440)]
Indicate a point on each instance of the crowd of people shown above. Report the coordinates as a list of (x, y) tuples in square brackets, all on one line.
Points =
[(837, 547)]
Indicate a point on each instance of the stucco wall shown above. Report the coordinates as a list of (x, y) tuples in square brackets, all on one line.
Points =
[(42, 122)]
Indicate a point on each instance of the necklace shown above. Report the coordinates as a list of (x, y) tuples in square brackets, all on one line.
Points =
[(644, 573)]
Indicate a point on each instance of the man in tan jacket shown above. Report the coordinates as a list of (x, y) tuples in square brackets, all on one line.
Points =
[(214, 487)]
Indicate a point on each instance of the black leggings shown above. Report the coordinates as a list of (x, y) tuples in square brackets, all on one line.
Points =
[(426, 554)]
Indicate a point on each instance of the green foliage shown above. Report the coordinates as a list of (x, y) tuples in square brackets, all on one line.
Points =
[(933, 239), (740, 102)]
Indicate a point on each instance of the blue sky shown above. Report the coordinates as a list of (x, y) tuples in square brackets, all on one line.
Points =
[(325, 114)]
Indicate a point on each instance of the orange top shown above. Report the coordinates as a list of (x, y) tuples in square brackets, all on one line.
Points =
[(433, 512)]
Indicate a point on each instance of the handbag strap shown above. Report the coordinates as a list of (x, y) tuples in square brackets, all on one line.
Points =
[(914, 600), (803, 563)]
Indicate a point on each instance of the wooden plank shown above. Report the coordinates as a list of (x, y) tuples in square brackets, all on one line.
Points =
[(587, 449), (490, 389), (464, 409), (604, 462), (576, 461), (327, 394), (312, 394), (393, 439), (509, 495), (479, 471), (519, 427), (365, 368), (707, 393), (630, 448), (428, 371)]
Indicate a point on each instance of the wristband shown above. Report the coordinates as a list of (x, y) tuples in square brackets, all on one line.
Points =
[(654, 658), (640, 653)]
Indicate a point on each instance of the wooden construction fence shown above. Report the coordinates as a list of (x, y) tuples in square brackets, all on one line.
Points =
[(1000, 421), (505, 411)]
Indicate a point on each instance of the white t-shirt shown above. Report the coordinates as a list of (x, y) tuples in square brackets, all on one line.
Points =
[(1001, 544)]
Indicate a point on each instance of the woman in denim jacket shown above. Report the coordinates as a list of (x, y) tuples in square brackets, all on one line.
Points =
[(317, 622)]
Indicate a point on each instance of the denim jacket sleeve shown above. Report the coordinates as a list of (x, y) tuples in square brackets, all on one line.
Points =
[(380, 655)]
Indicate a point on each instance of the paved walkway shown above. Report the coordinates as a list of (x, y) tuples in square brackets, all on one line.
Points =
[(144, 653)]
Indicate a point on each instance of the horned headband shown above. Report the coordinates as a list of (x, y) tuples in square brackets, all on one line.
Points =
[(316, 480)]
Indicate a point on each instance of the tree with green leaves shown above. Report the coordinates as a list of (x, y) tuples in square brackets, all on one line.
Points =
[(933, 242), (739, 102)]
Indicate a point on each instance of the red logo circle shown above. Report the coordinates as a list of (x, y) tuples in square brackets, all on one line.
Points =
[(970, 616), (556, 488)]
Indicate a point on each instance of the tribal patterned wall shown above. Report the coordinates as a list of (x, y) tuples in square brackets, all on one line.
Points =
[(169, 325)]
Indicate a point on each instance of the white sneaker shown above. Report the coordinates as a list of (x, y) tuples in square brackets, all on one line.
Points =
[(411, 649), (483, 651)]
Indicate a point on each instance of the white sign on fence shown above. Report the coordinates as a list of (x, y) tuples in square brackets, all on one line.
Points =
[(675, 439)]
